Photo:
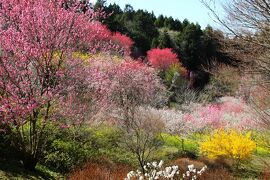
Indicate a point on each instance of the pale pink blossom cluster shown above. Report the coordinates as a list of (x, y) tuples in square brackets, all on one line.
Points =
[(228, 113), (173, 120), (133, 84)]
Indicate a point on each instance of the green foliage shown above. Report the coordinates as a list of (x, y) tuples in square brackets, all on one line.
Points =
[(160, 21), (142, 29), (262, 139), (190, 46), (176, 141), (99, 4), (171, 140), (70, 148), (164, 40), (108, 143), (170, 73), (74, 146)]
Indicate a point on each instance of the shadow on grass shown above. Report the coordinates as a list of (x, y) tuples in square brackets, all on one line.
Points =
[(12, 169)]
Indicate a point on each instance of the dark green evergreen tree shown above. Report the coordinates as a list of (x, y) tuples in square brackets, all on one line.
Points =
[(159, 23), (177, 25), (191, 46), (164, 40), (100, 4), (168, 22)]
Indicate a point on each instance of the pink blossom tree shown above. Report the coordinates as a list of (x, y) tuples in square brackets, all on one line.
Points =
[(38, 75), (134, 84)]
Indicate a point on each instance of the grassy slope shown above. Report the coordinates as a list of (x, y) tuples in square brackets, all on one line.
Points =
[(169, 152), (14, 170)]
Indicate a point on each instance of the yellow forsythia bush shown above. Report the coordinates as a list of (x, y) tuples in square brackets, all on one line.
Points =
[(81, 55), (229, 144)]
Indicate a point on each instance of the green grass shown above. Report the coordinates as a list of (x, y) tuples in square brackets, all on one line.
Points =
[(176, 141), (13, 170), (170, 150), (253, 168)]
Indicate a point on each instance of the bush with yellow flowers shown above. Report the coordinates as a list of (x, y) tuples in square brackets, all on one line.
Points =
[(229, 144)]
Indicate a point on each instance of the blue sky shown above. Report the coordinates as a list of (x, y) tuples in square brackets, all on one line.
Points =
[(193, 10)]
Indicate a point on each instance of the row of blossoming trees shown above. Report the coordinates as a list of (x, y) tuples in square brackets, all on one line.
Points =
[(47, 77), (41, 80)]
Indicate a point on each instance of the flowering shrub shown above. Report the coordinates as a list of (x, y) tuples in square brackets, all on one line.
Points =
[(133, 85), (229, 144), (124, 41), (162, 58), (228, 113), (156, 170), (192, 173), (174, 122)]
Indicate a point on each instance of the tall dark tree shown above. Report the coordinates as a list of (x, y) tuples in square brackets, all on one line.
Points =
[(164, 40), (100, 4), (143, 30), (177, 25), (191, 46), (185, 23), (113, 20), (159, 23), (169, 22), (128, 8)]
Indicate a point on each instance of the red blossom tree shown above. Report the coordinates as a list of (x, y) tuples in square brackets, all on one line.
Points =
[(124, 41), (162, 58), (38, 76)]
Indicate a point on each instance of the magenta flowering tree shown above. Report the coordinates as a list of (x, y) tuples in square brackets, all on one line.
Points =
[(162, 58), (38, 76), (124, 41)]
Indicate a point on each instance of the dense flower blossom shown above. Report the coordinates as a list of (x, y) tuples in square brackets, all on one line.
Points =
[(156, 170), (229, 144), (41, 80), (133, 84), (162, 58), (228, 113), (124, 41)]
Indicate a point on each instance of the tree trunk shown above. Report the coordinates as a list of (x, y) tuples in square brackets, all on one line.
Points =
[(183, 145), (29, 162)]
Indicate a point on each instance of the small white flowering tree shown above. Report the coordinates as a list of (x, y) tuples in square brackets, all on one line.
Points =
[(156, 170), (134, 87)]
